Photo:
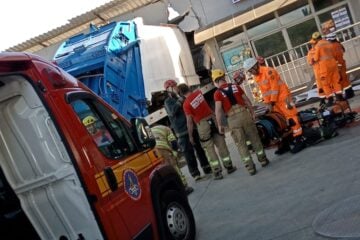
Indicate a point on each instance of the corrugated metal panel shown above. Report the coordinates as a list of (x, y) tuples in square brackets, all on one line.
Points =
[(80, 23), (234, 22)]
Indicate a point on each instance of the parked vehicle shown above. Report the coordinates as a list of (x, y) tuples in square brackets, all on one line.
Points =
[(126, 63), (71, 167)]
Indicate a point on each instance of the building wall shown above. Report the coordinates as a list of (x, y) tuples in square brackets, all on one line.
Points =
[(152, 14), (279, 31), (211, 11), (281, 36)]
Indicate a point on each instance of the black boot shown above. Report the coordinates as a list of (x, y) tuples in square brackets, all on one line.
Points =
[(349, 93), (231, 169), (188, 190), (207, 169), (264, 161), (330, 102), (339, 97), (251, 168), (282, 148), (299, 144)]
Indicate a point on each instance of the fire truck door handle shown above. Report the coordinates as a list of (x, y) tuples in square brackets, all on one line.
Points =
[(111, 178)]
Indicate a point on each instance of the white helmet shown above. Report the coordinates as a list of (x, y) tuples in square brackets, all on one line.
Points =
[(331, 37), (249, 63)]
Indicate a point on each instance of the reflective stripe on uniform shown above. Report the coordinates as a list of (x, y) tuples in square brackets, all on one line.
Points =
[(325, 58), (227, 162), (265, 81), (259, 153), (297, 130), (246, 159), (163, 137), (270, 92), (214, 164), (323, 43)]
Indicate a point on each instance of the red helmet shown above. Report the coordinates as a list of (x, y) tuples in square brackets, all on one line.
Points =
[(170, 83), (260, 60)]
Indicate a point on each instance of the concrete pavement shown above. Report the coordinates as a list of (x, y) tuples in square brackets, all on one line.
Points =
[(282, 200)]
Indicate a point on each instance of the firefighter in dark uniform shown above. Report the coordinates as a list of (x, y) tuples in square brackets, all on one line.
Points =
[(197, 110), (231, 100)]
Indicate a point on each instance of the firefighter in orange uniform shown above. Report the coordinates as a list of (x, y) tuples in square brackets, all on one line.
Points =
[(315, 65), (231, 99), (338, 51), (277, 96), (197, 110), (328, 69)]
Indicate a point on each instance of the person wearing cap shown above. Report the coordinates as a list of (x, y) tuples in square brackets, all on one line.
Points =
[(338, 51), (315, 66), (328, 70), (173, 106), (199, 112), (100, 135), (231, 100), (277, 96), (167, 146)]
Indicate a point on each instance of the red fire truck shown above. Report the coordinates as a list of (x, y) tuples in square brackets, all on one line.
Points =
[(72, 168)]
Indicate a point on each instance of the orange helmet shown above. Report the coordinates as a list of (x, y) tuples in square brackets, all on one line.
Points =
[(170, 83)]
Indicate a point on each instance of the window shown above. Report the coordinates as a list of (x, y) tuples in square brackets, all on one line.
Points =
[(234, 58), (107, 131), (335, 19), (263, 28), (302, 32), (321, 4), (295, 15), (270, 45)]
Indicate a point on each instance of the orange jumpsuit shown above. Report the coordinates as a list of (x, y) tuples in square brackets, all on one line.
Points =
[(274, 90), (328, 69), (315, 65), (338, 51)]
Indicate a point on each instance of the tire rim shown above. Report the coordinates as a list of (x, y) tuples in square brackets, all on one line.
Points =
[(177, 220)]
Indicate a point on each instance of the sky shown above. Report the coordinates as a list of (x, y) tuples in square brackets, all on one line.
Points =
[(21, 20)]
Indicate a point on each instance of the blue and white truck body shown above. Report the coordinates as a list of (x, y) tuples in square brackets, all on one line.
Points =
[(125, 63)]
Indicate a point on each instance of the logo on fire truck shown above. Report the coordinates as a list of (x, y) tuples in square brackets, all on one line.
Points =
[(131, 184)]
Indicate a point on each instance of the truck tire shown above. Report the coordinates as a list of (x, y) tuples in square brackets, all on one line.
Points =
[(177, 217)]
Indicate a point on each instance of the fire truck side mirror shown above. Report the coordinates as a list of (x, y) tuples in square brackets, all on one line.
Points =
[(142, 133)]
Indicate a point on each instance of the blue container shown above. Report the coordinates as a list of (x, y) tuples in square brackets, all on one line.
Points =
[(108, 61)]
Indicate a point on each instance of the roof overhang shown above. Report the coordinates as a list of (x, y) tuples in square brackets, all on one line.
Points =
[(99, 15), (201, 36)]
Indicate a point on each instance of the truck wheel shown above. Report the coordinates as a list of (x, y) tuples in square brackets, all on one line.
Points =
[(177, 217)]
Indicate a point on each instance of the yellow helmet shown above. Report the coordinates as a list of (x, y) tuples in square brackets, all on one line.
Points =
[(88, 121), (316, 35), (217, 73)]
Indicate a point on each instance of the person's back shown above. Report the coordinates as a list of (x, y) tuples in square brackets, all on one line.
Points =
[(163, 136), (324, 55), (174, 108), (338, 51)]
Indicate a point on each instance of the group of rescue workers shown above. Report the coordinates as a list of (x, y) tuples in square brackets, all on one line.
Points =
[(199, 129)]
